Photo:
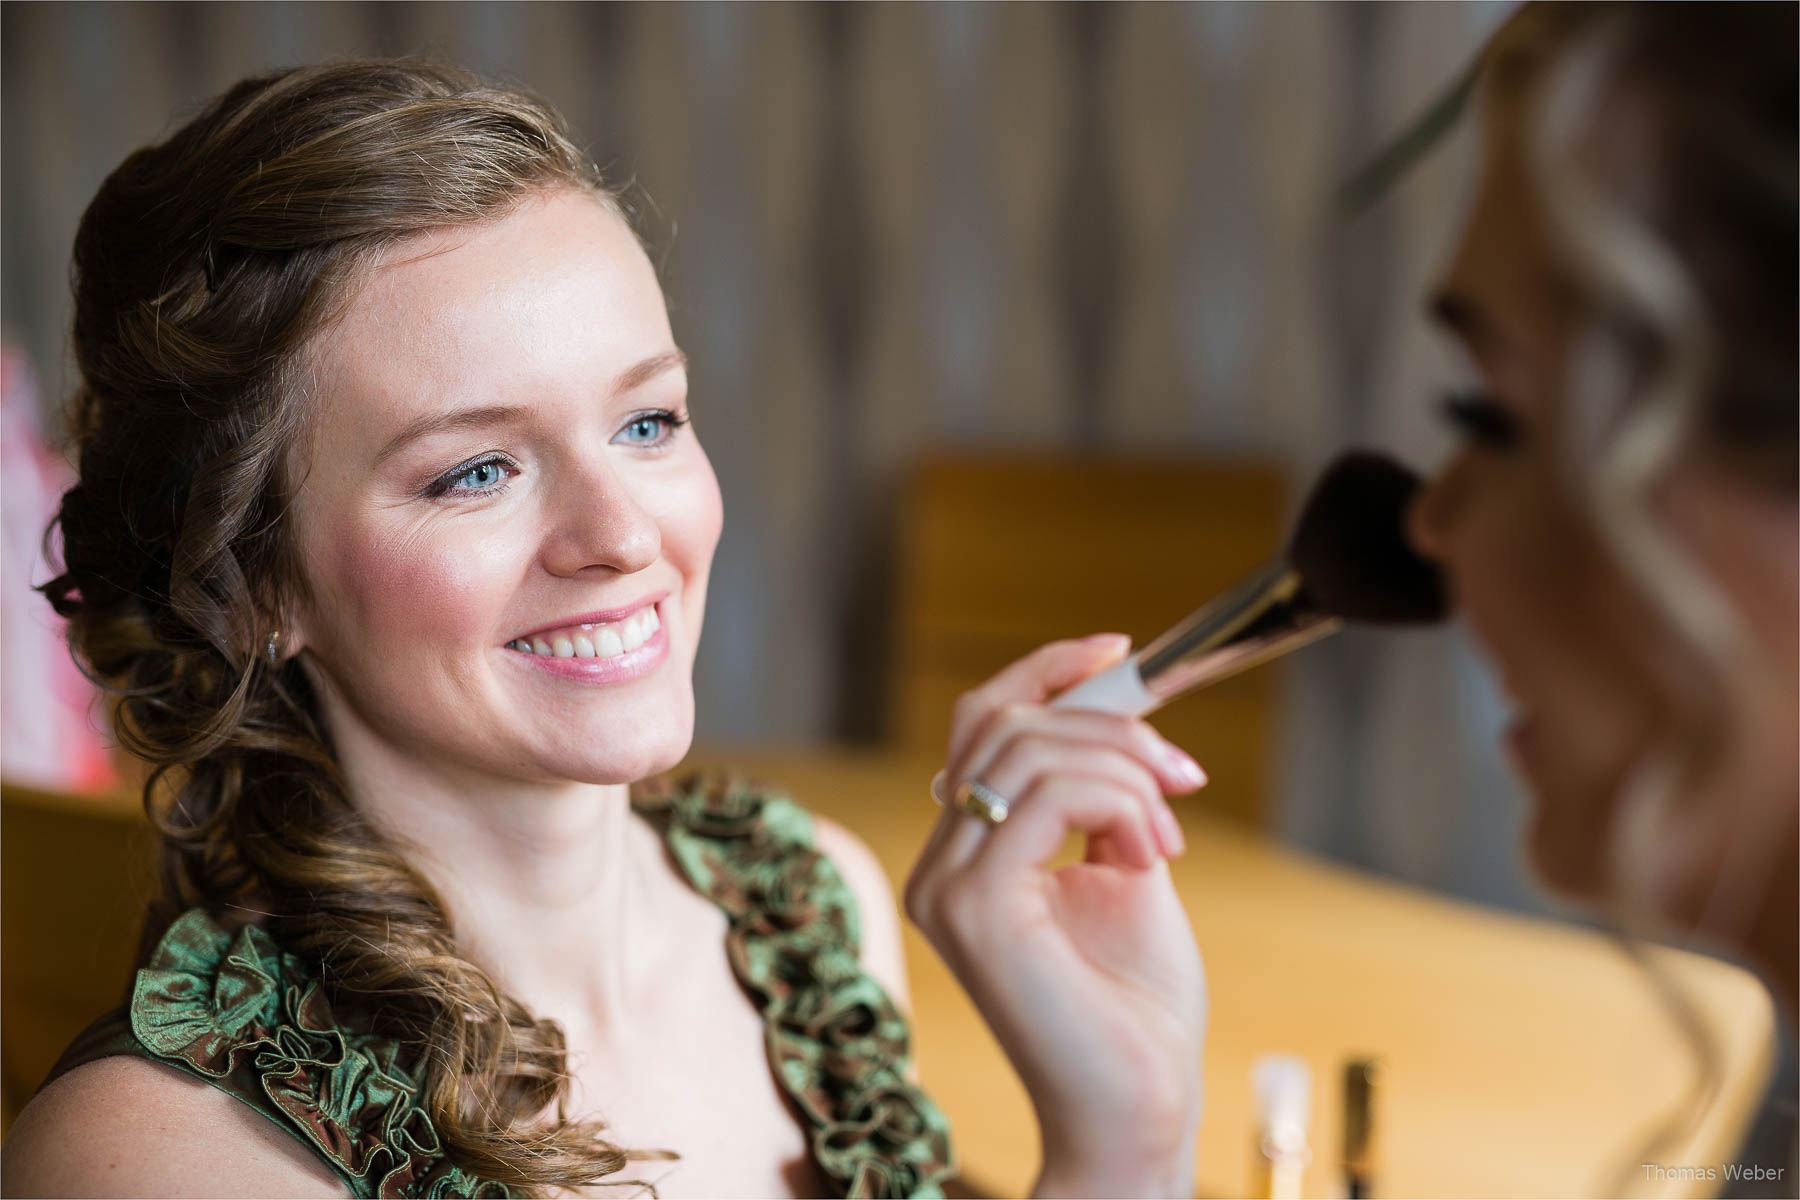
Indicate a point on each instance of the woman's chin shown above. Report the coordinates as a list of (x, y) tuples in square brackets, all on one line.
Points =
[(629, 766), (1566, 846)]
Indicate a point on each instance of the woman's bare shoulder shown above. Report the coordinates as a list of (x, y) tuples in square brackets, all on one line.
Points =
[(124, 1126)]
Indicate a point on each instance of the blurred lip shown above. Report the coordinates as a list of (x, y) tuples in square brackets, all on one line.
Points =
[(1517, 736), (597, 617), (1520, 736)]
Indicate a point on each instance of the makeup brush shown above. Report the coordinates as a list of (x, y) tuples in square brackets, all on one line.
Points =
[(1348, 561)]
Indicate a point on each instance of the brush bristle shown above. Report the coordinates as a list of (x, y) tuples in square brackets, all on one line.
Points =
[(1351, 551)]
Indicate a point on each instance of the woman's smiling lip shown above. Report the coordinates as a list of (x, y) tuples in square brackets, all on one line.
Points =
[(600, 617), (617, 668)]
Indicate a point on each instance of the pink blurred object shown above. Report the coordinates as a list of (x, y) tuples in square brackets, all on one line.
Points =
[(50, 734)]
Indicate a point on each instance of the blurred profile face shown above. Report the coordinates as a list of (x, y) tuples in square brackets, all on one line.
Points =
[(1561, 625), (505, 526), (1596, 678)]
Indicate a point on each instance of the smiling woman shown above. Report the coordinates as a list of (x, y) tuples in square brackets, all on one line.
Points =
[(392, 538)]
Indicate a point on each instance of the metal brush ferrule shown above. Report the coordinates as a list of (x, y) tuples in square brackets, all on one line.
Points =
[(1265, 616)]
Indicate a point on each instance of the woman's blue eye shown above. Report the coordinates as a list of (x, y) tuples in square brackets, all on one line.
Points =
[(478, 479), (650, 429)]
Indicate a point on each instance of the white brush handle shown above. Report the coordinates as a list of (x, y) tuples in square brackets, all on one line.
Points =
[(1118, 689)]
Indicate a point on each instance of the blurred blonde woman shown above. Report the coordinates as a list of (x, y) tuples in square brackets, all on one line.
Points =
[(1619, 531)]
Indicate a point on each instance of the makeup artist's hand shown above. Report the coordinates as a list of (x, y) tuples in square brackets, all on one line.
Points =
[(1088, 974)]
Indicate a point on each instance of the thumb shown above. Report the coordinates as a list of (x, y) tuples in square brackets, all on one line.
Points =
[(1034, 679), (1051, 668)]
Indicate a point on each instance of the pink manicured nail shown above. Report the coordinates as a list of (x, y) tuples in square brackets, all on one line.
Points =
[(1170, 831), (1183, 767)]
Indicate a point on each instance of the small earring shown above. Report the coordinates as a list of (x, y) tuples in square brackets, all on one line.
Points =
[(274, 647)]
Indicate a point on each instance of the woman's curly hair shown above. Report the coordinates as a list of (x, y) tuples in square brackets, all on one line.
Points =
[(202, 270)]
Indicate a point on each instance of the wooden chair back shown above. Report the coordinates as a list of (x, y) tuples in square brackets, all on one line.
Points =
[(75, 875), (1000, 553)]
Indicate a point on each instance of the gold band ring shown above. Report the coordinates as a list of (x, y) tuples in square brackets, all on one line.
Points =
[(973, 797), (983, 801)]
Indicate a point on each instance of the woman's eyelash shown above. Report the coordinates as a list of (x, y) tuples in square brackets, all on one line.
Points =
[(1481, 418), (672, 423), (443, 485)]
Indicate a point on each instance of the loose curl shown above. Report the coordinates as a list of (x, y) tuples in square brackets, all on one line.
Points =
[(203, 269)]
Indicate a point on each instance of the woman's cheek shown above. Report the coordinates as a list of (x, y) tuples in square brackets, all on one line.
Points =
[(691, 514), (427, 589)]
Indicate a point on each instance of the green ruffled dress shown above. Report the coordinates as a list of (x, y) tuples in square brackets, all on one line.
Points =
[(244, 1015)]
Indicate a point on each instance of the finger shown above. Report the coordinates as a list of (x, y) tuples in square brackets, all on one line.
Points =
[(1032, 756), (1057, 806), (1033, 679), (1175, 770)]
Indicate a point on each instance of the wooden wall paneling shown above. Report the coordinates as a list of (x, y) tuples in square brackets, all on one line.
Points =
[(1152, 105), (894, 128), (958, 244), (788, 434), (1087, 277), (1296, 75), (572, 52), (1024, 116), (847, 305), (1222, 293)]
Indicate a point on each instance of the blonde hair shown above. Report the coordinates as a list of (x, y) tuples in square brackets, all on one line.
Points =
[(1667, 273)]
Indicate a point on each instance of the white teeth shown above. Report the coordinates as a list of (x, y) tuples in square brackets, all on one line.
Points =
[(594, 641)]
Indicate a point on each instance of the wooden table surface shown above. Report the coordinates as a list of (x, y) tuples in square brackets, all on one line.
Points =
[(1523, 1057)]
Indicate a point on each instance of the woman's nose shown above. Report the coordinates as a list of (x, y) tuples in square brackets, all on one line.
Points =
[(1428, 516), (601, 523)]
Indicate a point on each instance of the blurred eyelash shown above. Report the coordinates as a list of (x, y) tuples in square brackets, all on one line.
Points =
[(1480, 418)]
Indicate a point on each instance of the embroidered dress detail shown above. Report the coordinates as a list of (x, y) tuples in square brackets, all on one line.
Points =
[(238, 1011), (249, 1018), (836, 1040)]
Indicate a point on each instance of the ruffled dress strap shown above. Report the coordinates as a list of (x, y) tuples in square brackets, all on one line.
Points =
[(235, 1010), (837, 1042)]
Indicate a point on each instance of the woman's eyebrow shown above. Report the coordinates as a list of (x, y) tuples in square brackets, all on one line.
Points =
[(488, 415), (483, 417), (647, 370)]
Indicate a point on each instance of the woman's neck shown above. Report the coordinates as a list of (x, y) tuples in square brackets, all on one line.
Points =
[(556, 890)]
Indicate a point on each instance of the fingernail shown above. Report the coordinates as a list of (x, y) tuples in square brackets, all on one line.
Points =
[(1108, 639), (1173, 841), (1183, 767)]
